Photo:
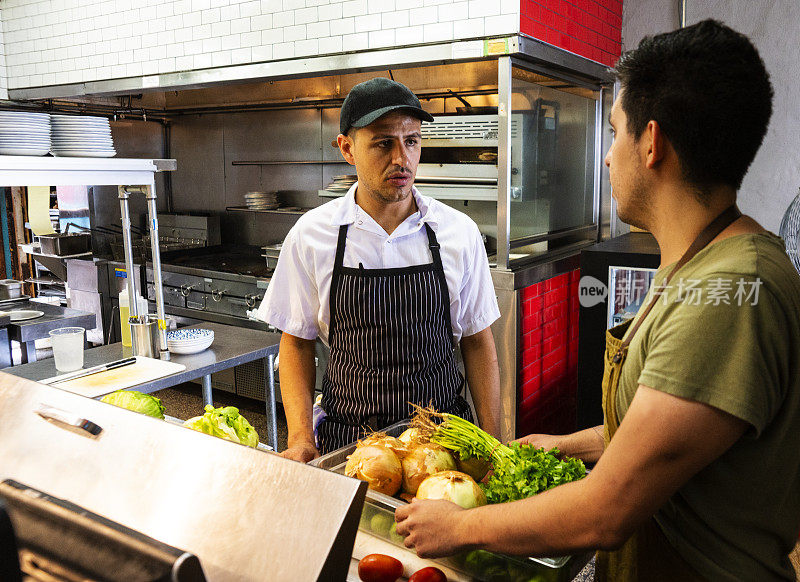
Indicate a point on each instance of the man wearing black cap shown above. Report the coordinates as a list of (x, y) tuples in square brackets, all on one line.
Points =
[(392, 281)]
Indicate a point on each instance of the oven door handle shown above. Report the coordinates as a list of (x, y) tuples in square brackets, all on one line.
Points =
[(216, 294), (186, 289), (250, 299)]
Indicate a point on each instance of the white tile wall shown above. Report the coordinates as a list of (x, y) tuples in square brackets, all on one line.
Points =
[(46, 42)]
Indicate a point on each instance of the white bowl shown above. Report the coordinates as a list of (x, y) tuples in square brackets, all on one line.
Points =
[(191, 349)]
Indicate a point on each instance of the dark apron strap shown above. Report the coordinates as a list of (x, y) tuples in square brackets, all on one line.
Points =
[(438, 269), (335, 278), (709, 233)]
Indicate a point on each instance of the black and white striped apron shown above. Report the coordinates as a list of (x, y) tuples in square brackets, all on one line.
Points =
[(391, 343)]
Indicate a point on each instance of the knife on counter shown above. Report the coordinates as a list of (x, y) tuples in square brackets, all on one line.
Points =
[(94, 370)]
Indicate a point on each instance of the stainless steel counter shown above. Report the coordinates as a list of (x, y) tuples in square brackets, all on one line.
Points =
[(232, 346), (55, 316)]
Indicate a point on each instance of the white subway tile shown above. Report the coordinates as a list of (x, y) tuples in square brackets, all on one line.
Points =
[(166, 65), (139, 55), (183, 34), (375, 6), (305, 48), (252, 8), (330, 45), (231, 42), (133, 42), (282, 19), (156, 25), (199, 5), (354, 8), (316, 2), (262, 53), (368, 22), (221, 59), (262, 22), (181, 6), (219, 3), (164, 10), (201, 32), (293, 4), (210, 16), (330, 11), (394, 20), (251, 39), (156, 53), (184, 63), (438, 32), (284, 50), (242, 55), (175, 50), (451, 12), (355, 42), (306, 15), (318, 30), (133, 70), (229, 12), (270, 37), (426, 15), (482, 8), (292, 33), (381, 38), (409, 35), (201, 61), (149, 40), (504, 24), (469, 28), (191, 19), (221, 28), (173, 22), (343, 26), (211, 45), (509, 6), (241, 25), (271, 6)]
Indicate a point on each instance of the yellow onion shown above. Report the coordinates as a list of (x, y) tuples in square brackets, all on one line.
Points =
[(412, 436), (378, 466), (379, 439), (473, 466), (422, 461), (453, 486)]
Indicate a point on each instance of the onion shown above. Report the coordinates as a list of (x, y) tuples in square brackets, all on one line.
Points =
[(423, 461), (379, 439), (412, 436), (378, 466), (473, 466), (453, 486)]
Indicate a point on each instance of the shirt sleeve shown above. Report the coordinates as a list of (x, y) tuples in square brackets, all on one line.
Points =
[(729, 356), (478, 299), (291, 302)]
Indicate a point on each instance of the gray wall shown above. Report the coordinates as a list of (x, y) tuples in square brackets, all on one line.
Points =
[(772, 25)]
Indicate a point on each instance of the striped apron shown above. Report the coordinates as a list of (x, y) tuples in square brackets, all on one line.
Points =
[(391, 343)]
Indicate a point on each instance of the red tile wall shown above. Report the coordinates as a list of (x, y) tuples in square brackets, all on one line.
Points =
[(589, 28), (548, 368)]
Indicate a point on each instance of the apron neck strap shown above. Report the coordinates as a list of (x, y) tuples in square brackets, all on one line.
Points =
[(709, 233), (433, 244)]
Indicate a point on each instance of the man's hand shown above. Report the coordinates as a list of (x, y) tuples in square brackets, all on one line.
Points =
[(303, 451), (431, 527)]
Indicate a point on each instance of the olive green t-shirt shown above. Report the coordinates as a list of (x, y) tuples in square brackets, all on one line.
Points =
[(726, 332)]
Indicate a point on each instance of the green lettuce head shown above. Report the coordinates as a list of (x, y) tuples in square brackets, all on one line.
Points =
[(225, 423), (136, 401)]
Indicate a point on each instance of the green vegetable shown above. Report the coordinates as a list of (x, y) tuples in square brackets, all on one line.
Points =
[(519, 470), (225, 423), (394, 536), (136, 401), (381, 523)]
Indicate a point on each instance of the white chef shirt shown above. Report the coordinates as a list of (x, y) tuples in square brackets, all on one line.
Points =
[(297, 300)]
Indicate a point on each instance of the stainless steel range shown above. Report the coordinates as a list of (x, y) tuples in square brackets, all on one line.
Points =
[(219, 283)]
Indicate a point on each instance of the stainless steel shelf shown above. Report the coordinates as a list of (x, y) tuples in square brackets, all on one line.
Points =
[(274, 211)]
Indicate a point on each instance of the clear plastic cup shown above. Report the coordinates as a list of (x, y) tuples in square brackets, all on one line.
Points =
[(67, 348)]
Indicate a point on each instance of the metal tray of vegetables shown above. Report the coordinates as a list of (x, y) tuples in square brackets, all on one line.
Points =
[(419, 465)]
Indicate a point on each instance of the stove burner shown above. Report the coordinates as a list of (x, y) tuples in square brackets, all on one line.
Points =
[(222, 259)]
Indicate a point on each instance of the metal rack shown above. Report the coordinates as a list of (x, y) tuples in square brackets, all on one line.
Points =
[(131, 176)]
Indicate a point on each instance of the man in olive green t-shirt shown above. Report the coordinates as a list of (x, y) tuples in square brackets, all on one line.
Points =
[(703, 461)]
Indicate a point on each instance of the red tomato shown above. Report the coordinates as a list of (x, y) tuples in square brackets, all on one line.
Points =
[(379, 568), (429, 574)]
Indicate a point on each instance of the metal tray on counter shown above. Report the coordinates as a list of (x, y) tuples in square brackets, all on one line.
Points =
[(377, 518)]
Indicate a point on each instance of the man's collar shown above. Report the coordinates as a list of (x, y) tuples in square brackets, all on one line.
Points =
[(346, 213)]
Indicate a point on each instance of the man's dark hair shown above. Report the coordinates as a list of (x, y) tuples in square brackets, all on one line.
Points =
[(710, 93)]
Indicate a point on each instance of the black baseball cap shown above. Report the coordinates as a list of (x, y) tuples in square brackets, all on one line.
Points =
[(369, 100)]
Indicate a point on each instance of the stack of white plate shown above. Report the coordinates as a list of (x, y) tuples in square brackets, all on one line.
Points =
[(189, 341), (81, 136), (262, 200), (24, 134)]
